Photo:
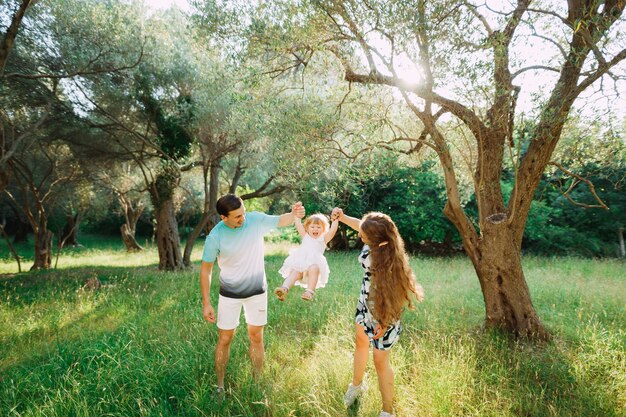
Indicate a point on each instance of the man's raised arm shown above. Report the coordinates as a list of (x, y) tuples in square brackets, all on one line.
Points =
[(297, 210)]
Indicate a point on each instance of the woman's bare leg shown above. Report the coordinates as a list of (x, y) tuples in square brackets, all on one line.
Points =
[(361, 354), (385, 378)]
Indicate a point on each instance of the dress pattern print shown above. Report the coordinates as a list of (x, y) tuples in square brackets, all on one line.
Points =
[(363, 314)]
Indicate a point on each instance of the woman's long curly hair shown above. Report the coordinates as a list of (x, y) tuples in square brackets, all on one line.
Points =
[(392, 283)]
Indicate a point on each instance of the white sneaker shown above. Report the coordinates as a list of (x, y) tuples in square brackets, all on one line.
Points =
[(220, 393), (386, 414), (354, 392)]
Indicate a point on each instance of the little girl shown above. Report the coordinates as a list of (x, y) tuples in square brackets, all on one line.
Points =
[(306, 265), (388, 286)]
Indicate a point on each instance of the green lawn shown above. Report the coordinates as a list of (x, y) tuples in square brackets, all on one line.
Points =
[(139, 347)]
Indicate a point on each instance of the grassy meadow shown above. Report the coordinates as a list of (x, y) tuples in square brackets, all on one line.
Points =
[(138, 346)]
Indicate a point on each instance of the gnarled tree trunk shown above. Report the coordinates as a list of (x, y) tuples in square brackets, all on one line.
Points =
[(128, 237), (209, 213), (132, 213), (43, 248), (168, 239), (70, 230), (498, 265)]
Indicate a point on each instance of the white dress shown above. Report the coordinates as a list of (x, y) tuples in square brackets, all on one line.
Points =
[(310, 252)]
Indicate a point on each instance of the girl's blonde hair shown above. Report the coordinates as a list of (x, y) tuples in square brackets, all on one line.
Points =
[(392, 282), (317, 218)]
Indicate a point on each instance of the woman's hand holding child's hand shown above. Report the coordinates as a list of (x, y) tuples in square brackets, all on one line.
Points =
[(336, 214)]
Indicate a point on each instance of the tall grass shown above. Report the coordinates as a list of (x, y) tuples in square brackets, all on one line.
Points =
[(138, 345)]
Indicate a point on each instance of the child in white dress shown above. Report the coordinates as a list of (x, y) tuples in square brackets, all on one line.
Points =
[(306, 265)]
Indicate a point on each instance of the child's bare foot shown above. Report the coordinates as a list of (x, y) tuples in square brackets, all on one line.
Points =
[(281, 293), (307, 295)]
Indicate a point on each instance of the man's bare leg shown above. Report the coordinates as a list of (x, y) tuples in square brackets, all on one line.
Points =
[(222, 354), (257, 349)]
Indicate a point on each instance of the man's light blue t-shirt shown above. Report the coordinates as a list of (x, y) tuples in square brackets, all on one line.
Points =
[(240, 254)]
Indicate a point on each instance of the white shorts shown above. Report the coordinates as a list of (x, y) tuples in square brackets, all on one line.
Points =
[(229, 310)]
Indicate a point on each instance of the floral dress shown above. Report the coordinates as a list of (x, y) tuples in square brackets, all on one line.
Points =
[(363, 309)]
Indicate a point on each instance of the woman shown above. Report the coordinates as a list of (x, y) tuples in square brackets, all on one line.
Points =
[(388, 286)]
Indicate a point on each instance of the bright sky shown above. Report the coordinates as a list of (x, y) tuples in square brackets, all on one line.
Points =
[(164, 4)]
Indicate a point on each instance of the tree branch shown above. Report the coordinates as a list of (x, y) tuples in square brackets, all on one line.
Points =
[(454, 107), (261, 191), (360, 39), (552, 41), (6, 154), (550, 13), (586, 181), (79, 72), (191, 166), (9, 37), (603, 69), (480, 17), (531, 68)]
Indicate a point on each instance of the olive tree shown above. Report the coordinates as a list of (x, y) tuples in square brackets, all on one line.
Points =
[(470, 62)]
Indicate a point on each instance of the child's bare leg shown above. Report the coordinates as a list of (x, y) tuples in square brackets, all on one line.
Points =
[(290, 281), (281, 292), (313, 274)]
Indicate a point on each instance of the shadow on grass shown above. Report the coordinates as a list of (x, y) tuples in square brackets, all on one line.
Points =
[(353, 410), (56, 307), (537, 379), (142, 348), (28, 287)]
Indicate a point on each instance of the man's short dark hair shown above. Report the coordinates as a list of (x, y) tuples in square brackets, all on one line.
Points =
[(228, 203)]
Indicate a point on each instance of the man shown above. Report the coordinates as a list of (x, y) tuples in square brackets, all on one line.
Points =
[(237, 244)]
